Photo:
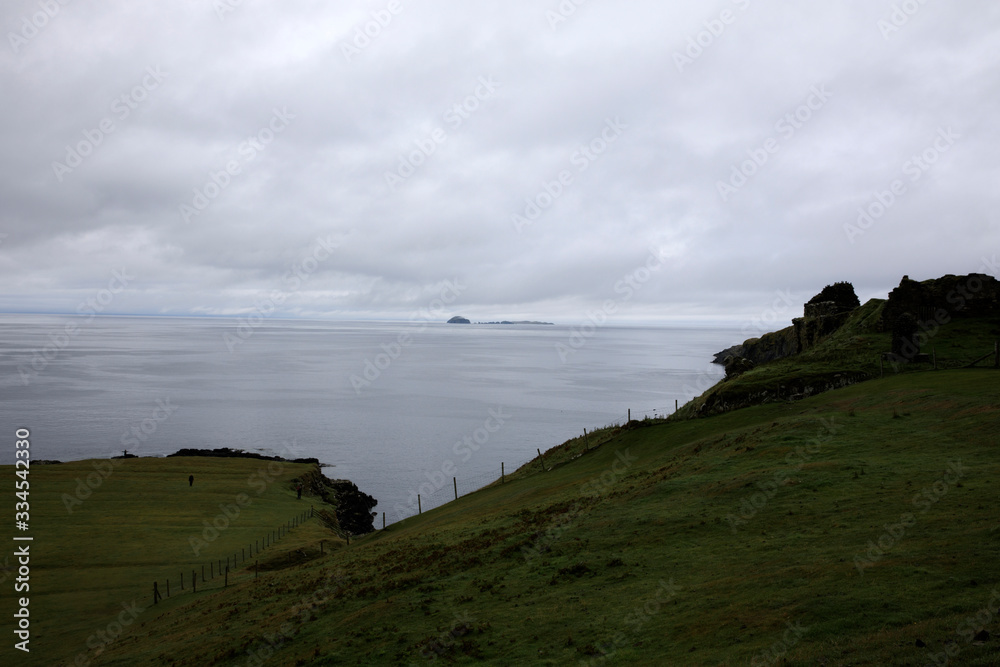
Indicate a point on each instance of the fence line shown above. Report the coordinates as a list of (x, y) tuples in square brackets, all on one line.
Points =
[(240, 556), (470, 484)]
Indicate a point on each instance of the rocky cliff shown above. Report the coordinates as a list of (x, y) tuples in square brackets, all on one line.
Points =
[(821, 318)]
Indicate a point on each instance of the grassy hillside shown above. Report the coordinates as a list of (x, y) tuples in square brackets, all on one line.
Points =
[(854, 527)]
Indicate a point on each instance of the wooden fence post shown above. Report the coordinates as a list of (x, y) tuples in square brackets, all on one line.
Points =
[(503, 479), (541, 461), (629, 415), (586, 440), (156, 594), (419, 510), (454, 481), (676, 407), (194, 582), (227, 576), (383, 520)]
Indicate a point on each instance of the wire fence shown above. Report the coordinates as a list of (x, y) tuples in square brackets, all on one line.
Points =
[(214, 574), (444, 489)]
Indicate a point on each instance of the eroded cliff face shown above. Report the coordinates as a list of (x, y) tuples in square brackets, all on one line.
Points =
[(353, 507), (819, 321)]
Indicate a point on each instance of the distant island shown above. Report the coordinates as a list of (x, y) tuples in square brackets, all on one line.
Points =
[(458, 319)]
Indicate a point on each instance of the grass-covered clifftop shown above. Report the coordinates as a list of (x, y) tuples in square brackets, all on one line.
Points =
[(849, 355), (853, 527)]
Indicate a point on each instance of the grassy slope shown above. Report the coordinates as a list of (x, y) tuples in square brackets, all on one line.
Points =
[(134, 528), (455, 583)]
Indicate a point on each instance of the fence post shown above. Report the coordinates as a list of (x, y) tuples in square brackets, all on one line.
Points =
[(194, 582), (454, 481), (541, 461), (586, 440), (227, 576), (156, 594), (629, 415), (419, 510), (503, 479), (383, 520), (675, 405)]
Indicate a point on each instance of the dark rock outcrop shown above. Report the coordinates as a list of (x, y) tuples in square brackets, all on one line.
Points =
[(943, 299), (458, 319), (229, 453), (737, 366), (354, 507), (823, 314), (840, 295), (353, 511)]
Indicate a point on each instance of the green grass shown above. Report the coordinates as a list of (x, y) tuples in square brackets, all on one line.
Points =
[(630, 556), (135, 527)]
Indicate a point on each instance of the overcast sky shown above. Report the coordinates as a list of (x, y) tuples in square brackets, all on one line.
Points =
[(520, 159)]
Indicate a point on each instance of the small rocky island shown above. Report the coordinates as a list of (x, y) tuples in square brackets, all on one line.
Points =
[(458, 319)]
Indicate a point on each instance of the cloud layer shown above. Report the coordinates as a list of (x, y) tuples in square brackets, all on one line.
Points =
[(679, 160)]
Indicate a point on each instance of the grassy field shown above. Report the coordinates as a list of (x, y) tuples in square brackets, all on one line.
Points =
[(98, 547), (855, 527)]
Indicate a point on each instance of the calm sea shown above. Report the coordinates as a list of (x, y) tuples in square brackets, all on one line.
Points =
[(394, 407)]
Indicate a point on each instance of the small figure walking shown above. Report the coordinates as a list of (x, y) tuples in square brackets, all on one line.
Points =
[(299, 489), (190, 480)]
